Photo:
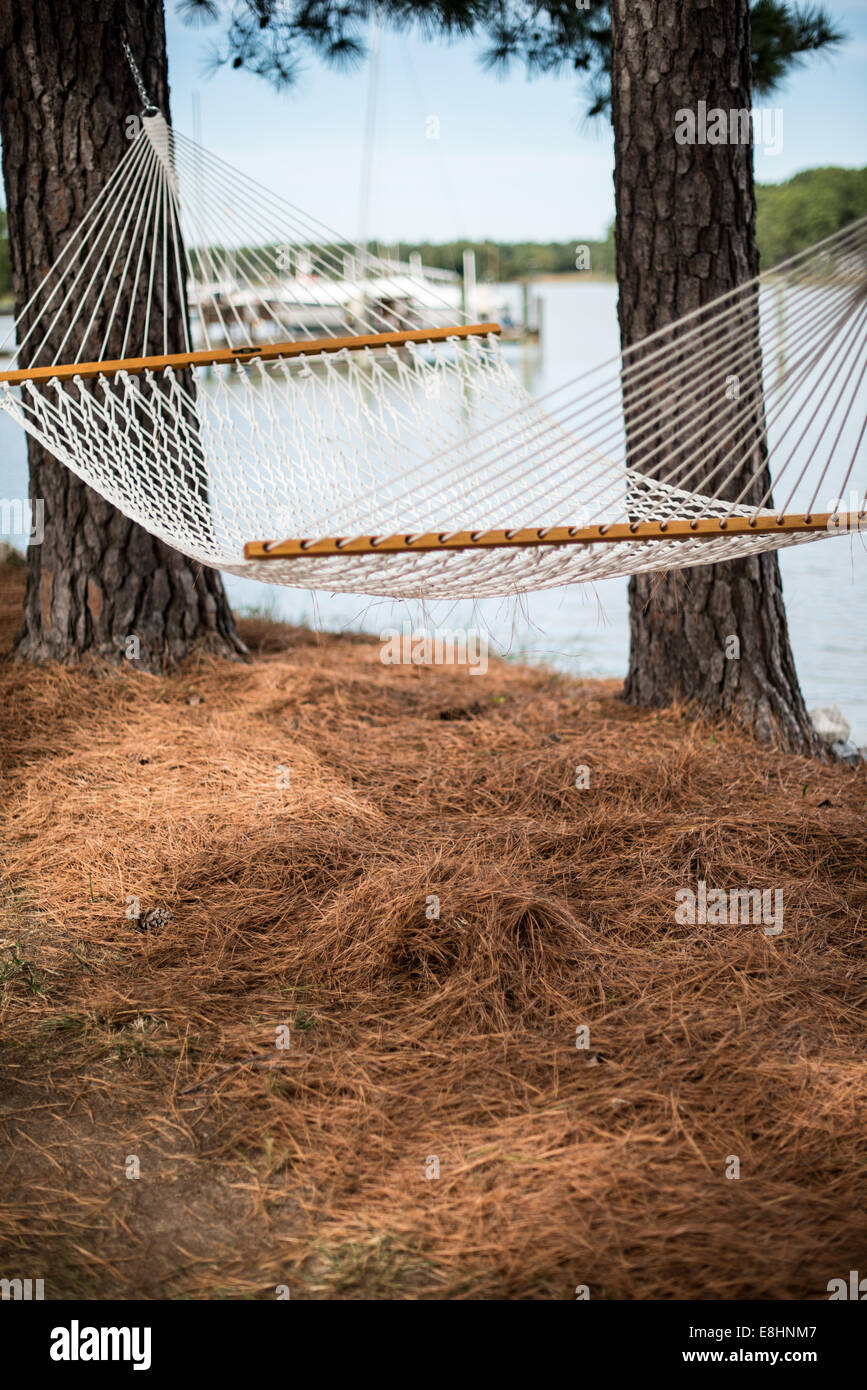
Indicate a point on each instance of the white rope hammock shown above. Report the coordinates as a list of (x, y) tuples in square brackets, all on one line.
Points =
[(320, 394)]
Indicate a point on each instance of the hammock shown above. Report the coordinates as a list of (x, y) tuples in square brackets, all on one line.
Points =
[(330, 420)]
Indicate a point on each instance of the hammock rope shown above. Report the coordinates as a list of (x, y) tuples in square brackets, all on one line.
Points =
[(324, 418)]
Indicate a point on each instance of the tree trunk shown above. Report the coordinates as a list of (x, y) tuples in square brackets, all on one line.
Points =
[(97, 579), (685, 233)]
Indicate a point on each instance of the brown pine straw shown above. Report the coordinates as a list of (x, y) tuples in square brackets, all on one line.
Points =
[(413, 1038)]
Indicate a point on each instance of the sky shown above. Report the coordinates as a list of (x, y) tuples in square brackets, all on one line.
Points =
[(516, 159)]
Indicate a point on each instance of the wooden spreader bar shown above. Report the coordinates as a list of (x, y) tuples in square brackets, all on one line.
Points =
[(705, 527), (264, 352)]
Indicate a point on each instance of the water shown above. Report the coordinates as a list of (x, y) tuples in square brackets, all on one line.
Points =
[(582, 628)]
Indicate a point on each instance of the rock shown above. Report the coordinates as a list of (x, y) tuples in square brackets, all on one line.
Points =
[(846, 751), (830, 724)]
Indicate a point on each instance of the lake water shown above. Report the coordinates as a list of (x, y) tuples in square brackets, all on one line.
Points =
[(582, 628)]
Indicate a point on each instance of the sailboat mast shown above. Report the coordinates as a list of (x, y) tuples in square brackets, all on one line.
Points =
[(369, 135)]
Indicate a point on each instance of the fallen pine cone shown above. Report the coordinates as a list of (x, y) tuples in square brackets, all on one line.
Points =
[(154, 918)]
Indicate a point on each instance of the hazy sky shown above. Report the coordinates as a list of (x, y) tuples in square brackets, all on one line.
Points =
[(514, 159)]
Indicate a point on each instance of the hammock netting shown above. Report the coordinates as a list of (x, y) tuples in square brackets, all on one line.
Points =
[(280, 418)]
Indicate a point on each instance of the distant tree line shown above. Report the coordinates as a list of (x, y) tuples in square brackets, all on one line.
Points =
[(495, 261), (791, 216), (506, 261)]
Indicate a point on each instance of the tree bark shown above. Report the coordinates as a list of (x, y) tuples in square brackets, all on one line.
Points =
[(97, 579), (685, 233)]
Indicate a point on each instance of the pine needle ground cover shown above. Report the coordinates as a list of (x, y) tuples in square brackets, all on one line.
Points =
[(335, 976)]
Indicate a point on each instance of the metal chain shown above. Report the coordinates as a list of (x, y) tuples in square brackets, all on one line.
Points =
[(142, 91)]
